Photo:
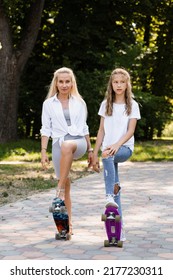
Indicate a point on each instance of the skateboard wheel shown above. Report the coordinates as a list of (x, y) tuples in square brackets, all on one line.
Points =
[(106, 243), (51, 209), (120, 243), (68, 236), (117, 218), (63, 209), (57, 236), (103, 217)]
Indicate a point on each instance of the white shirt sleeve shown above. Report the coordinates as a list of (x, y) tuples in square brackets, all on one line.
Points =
[(46, 121), (135, 114), (102, 109)]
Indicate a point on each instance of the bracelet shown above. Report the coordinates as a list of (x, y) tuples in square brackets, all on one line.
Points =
[(90, 150), (43, 149)]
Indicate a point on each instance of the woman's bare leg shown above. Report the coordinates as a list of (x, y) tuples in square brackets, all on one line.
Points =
[(67, 150), (68, 203)]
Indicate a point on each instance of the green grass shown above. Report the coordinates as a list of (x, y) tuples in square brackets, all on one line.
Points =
[(29, 151), (21, 173), (156, 150), (22, 150)]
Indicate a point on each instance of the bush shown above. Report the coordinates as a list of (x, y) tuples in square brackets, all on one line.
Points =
[(156, 112)]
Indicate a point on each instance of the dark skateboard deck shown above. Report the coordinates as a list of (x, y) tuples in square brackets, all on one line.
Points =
[(60, 217), (113, 224)]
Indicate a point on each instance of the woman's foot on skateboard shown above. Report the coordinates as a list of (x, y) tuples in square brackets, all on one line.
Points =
[(59, 198), (60, 193)]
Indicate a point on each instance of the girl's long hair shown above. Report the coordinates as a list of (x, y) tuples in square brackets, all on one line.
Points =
[(53, 90), (111, 96)]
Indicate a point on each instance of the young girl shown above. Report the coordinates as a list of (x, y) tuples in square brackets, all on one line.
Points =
[(64, 117), (119, 114)]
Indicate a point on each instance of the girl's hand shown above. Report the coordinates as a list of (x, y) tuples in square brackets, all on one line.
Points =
[(44, 159), (112, 149)]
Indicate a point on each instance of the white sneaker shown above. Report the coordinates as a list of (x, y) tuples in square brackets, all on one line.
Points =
[(123, 237), (110, 201)]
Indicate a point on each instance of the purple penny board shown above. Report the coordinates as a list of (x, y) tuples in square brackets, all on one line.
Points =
[(112, 221)]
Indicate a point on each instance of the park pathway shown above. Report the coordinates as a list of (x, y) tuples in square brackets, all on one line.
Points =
[(27, 229)]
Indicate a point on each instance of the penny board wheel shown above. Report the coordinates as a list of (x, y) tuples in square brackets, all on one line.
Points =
[(57, 236), (106, 243), (103, 217), (51, 209), (68, 236), (117, 218), (120, 243)]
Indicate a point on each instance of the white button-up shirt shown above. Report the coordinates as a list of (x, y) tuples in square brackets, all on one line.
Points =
[(54, 124)]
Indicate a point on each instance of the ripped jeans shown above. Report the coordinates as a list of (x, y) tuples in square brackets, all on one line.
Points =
[(111, 177)]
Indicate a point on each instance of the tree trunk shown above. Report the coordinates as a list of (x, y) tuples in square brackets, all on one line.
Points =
[(9, 81), (12, 62)]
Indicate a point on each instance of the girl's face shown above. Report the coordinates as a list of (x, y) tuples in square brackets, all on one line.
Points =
[(119, 84), (64, 83)]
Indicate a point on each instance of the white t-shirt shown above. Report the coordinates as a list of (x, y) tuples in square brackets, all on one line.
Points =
[(115, 126)]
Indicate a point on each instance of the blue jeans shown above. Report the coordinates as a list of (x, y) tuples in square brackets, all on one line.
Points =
[(111, 177)]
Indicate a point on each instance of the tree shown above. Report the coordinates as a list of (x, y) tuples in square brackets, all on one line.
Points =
[(157, 62), (84, 35), (92, 37), (18, 33)]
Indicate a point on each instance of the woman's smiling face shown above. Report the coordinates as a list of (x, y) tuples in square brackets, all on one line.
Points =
[(64, 83)]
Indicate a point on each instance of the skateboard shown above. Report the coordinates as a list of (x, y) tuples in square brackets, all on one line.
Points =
[(112, 221), (60, 216)]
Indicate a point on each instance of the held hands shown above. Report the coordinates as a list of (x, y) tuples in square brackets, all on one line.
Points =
[(96, 164), (93, 162), (90, 159), (44, 159), (93, 159)]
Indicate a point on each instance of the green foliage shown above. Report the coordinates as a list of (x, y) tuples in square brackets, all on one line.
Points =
[(31, 96), (156, 112), (168, 130), (93, 37), (22, 150), (17, 12), (92, 88)]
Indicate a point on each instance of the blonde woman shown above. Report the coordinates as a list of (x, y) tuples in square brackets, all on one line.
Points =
[(119, 114), (64, 115)]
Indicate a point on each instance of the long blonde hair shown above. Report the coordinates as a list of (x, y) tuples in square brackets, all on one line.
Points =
[(53, 90), (111, 96)]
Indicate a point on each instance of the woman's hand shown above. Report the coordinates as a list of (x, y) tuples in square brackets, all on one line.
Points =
[(44, 159), (90, 159), (96, 164)]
